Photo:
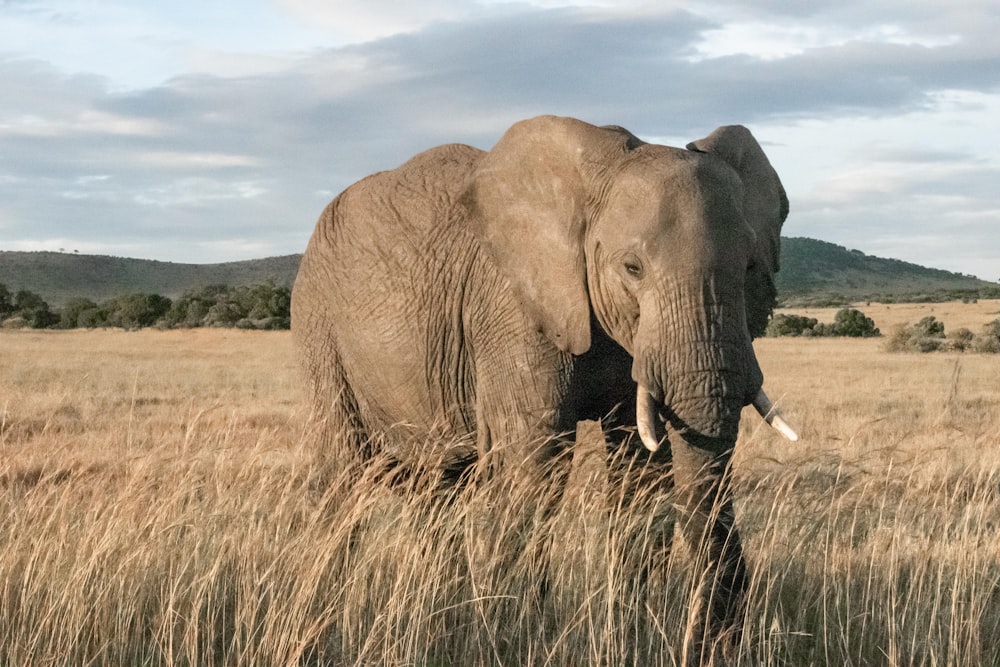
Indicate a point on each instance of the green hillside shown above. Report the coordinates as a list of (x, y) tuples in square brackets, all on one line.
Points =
[(58, 277), (812, 273), (816, 272)]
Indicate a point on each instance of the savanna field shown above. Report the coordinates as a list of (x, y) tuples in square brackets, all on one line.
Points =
[(162, 503)]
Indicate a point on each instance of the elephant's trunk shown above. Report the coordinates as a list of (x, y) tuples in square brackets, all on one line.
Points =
[(646, 417), (694, 363), (700, 392)]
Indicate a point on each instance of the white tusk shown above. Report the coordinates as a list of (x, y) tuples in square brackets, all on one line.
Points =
[(766, 409), (645, 416)]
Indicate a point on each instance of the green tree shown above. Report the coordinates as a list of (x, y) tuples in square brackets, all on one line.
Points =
[(34, 309), (224, 313), (267, 306), (262, 306), (134, 311), (92, 318), (70, 315), (6, 302)]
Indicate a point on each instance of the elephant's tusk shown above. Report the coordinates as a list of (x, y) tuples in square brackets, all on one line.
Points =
[(766, 409), (645, 416)]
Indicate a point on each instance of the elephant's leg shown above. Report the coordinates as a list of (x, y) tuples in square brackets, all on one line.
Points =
[(708, 526), (340, 432), (520, 386)]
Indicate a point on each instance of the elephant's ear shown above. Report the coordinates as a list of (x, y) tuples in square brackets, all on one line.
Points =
[(765, 207), (527, 203)]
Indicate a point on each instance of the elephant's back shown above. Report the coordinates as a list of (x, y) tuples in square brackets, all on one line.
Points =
[(368, 278), (399, 207)]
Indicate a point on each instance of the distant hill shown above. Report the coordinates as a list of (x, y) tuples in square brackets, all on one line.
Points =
[(58, 277), (812, 273)]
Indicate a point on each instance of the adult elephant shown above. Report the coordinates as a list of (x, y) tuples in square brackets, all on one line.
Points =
[(572, 272)]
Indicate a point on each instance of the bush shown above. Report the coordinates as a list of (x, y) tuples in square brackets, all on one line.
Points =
[(789, 325), (960, 340), (989, 340), (847, 322), (854, 324), (928, 335), (930, 327)]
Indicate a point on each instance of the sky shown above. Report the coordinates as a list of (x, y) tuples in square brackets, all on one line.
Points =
[(194, 131)]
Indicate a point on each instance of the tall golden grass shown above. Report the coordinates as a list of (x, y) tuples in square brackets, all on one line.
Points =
[(161, 503)]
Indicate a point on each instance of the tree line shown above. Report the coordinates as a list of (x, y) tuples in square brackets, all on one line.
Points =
[(262, 306)]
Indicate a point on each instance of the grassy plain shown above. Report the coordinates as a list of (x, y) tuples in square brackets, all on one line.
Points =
[(161, 503)]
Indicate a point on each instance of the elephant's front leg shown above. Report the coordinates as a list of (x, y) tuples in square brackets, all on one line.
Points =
[(707, 523), (521, 383)]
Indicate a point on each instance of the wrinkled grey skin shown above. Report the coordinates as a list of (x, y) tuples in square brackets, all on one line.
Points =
[(502, 296)]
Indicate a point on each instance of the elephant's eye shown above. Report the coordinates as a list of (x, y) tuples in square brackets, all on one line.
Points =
[(633, 267)]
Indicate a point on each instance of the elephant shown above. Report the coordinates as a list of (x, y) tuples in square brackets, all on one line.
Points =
[(572, 272)]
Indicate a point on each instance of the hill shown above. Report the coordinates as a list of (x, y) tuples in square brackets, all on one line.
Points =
[(813, 273), (58, 277), (821, 273)]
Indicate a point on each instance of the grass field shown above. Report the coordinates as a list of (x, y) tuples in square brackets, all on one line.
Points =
[(161, 503)]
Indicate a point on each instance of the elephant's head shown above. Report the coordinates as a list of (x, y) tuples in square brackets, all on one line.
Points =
[(672, 250)]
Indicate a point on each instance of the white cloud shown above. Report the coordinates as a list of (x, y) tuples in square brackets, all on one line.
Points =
[(771, 41), (197, 160), (353, 21), (198, 192), (85, 122)]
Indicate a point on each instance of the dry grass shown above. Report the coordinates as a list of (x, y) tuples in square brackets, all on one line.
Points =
[(160, 504)]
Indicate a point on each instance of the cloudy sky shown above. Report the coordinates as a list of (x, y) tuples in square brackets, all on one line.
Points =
[(198, 131)]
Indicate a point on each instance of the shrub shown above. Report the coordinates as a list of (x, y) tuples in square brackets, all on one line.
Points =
[(930, 327), (960, 340), (853, 323), (847, 322), (927, 335), (824, 329), (789, 325), (989, 340)]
